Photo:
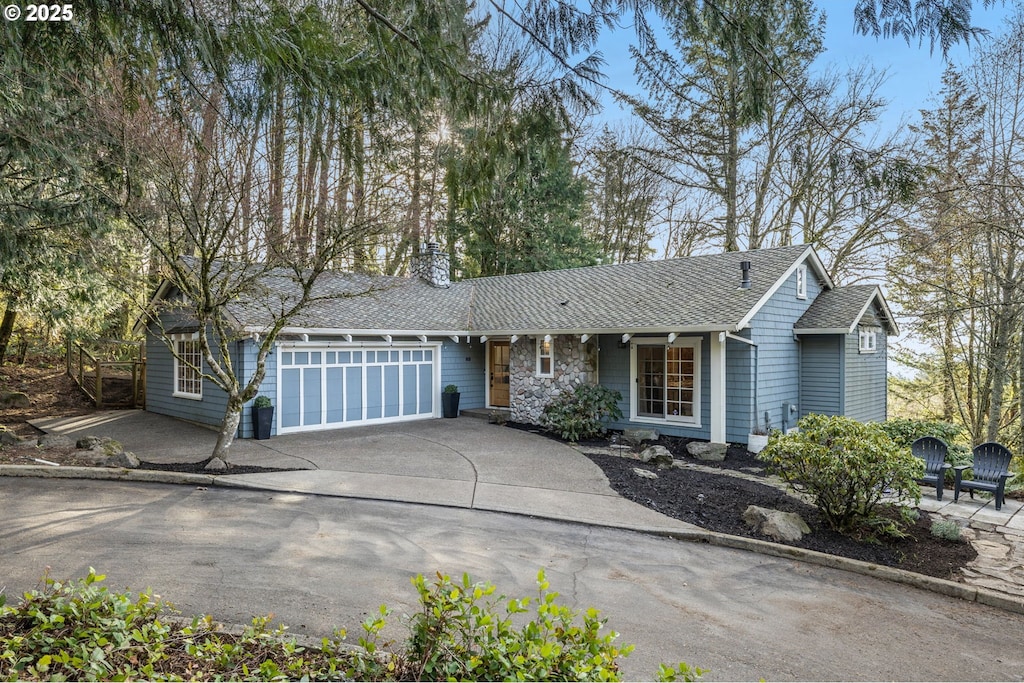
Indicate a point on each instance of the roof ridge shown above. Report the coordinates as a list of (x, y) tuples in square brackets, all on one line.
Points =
[(627, 264)]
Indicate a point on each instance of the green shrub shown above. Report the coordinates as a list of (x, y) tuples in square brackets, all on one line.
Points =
[(575, 415), (460, 635), (78, 630), (451, 389), (947, 529), (849, 468), (261, 402), (81, 631), (904, 431)]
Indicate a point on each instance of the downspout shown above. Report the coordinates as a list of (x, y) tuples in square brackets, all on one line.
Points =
[(753, 406)]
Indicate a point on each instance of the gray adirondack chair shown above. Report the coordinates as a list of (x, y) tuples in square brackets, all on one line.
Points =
[(933, 451), (990, 470)]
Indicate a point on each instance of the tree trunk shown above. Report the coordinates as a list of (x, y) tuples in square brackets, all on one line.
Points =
[(228, 428), (7, 328)]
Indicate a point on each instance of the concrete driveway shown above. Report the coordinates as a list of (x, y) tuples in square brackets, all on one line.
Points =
[(462, 462)]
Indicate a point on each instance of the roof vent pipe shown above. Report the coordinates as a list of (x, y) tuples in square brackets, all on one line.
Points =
[(745, 268)]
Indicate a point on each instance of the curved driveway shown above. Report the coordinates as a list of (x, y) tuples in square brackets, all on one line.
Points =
[(462, 462), (318, 562)]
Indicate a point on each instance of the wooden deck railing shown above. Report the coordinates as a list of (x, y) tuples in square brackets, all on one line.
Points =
[(109, 383)]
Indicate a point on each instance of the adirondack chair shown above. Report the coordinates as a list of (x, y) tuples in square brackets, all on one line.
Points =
[(933, 452), (991, 469)]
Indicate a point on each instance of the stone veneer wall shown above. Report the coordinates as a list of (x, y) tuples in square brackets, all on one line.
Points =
[(574, 364)]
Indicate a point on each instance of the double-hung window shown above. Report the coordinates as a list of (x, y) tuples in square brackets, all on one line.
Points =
[(188, 363), (667, 380)]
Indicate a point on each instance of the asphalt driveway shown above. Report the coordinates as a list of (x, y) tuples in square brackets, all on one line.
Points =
[(318, 563)]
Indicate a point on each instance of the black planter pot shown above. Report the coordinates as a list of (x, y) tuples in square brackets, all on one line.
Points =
[(262, 419), (450, 404)]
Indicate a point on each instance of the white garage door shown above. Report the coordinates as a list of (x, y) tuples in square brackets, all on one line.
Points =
[(332, 387)]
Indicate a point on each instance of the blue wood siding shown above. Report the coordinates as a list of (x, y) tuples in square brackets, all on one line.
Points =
[(247, 366), (160, 387), (821, 374), (865, 379), (778, 368), (462, 364), (613, 371), (739, 389)]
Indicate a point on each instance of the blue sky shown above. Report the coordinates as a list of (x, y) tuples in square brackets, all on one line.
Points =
[(914, 75)]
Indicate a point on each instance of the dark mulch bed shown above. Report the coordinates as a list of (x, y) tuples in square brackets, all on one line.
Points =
[(716, 502), (200, 468)]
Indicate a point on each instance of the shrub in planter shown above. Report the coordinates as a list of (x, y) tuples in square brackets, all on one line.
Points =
[(849, 468), (450, 401), (262, 417), (575, 415)]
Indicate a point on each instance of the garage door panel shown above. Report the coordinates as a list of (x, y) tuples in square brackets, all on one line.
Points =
[(291, 387), (325, 387), (335, 394), (374, 392), (311, 396), (426, 389), (392, 393), (353, 394), (410, 392)]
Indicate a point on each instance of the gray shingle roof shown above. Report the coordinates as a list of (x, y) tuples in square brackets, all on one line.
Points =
[(677, 294), (841, 309), (701, 291)]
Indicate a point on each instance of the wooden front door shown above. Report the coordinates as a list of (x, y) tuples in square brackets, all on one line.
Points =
[(499, 374)]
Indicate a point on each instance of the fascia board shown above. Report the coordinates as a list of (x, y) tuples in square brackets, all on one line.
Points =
[(822, 330), (161, 292), (336, 331), (333, 331), (893, 327)]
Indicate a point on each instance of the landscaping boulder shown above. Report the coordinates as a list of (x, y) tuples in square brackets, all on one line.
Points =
[(776, 525), (658, 456), (54, 441), (216, 465), (707, 452), (9, 438), (125, 459), (14, 399), (637, 436), (646, 474), (102, 444)]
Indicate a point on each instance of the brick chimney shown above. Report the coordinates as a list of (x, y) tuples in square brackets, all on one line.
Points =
[(432, 265)]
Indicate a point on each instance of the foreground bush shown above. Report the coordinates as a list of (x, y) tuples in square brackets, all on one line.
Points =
[(81, 631), (578, 414), (848, 468)]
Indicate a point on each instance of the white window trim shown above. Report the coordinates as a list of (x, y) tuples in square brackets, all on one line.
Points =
[(179, 364), (867, 340), (801, 281), (693, 421), (550, 356)]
